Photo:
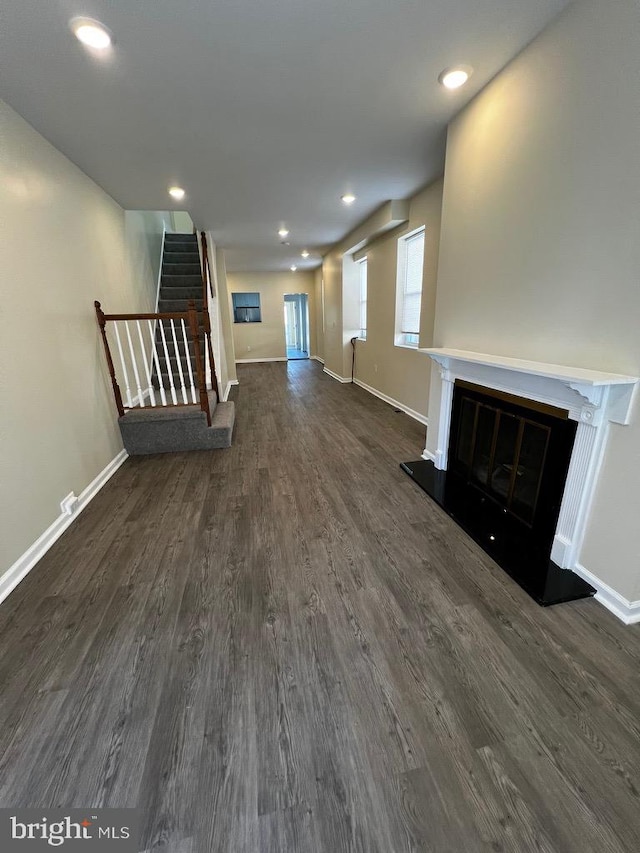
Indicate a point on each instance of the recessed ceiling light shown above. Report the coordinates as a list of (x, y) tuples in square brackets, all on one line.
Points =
[(283, 232), (177, 193), (293, 267), (305, 253), (453, 78), (91, 33), (348, 198)]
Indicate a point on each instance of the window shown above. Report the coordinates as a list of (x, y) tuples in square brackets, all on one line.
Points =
[(409, 288), (246, 307), (362, 275)]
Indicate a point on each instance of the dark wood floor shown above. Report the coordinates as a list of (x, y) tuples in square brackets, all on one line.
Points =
[(287, 647)]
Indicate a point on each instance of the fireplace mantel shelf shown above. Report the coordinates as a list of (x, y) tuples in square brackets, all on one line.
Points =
[(569, 375)]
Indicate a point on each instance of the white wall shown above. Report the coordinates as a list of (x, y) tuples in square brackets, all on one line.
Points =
[(540, 247), (63, 243)]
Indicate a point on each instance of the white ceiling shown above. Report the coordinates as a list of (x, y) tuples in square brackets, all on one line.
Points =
[(265, 111)]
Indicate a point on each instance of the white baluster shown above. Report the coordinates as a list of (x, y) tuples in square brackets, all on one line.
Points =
[(185, 399), (147, 370), (135, 365), (152, 333), (124, 367), (174, 396), (188, 354)]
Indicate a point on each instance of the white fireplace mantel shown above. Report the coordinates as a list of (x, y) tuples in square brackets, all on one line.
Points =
[(591, 397)]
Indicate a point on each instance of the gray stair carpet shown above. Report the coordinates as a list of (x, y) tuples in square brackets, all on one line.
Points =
[(180, 282), (177, 428)]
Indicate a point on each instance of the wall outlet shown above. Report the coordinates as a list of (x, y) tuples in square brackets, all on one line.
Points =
[(248, 349), (375, 368)]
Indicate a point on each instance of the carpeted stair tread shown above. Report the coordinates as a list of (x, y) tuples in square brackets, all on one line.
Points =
[(168, 306), (177, 236), (176, 429), (169, 413), (181, 292), (182, 257), (169, 280), (169, 268)]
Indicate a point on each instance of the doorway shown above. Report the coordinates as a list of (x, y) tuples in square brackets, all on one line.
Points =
[(296, 325)]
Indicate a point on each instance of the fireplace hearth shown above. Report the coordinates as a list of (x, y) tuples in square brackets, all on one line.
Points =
[(513, 453)]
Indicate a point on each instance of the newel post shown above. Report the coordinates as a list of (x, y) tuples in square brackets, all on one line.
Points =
[(102, 323), (202, 385)]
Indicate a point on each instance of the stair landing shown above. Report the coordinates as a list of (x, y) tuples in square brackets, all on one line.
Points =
[(173, 429)]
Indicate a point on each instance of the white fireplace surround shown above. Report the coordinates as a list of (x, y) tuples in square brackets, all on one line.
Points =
[(592, 398)]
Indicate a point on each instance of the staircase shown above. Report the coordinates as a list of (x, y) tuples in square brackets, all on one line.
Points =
[(180, 281), (172, 419)]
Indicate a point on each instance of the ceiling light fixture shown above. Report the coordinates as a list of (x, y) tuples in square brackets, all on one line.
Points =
[(177, 193), (91, 33), (348, 198), (283, 232), (293, 267), (305, 253), (453, 78)]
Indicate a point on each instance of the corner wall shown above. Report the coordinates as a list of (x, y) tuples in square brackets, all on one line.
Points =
[(540, 255), (63, 243)]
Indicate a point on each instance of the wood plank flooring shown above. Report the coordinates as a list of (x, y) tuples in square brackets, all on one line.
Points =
[(286, 647)]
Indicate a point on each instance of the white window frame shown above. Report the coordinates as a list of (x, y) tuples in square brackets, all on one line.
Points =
[(363, 284), (403, 338)]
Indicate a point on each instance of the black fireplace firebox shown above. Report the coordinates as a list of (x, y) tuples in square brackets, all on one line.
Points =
[(508, 460)]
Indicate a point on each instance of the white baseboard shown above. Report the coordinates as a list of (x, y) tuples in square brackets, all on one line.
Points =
[(257, 360), (333, 375), (429, 456), (627, 611), (71, 508), (411, 412), (230, 383), (318, 358)]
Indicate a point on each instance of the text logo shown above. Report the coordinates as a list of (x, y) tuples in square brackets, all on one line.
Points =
[(32, 830)]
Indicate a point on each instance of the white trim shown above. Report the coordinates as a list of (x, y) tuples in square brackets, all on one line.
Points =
[(164, 231), (627, 611), (318, 358), (333, 375), (428, 455), (411, 412), (227, 390), (71, 508), (257, 360)]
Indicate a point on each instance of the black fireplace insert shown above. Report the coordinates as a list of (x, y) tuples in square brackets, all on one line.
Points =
[(508, 459)]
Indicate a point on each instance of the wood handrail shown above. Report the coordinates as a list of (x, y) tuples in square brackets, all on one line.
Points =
[(206, 321), (204, 397), (169, 315), (206, 268), (102, 321)]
